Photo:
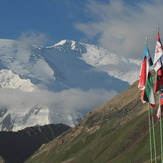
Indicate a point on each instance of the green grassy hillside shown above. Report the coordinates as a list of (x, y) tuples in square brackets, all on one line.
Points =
[(116, 132)]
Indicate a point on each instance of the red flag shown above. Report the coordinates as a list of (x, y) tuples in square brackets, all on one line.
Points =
[(143, 74), (159, 80), (161, 99)]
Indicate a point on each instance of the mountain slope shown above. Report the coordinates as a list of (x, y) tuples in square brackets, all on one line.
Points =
[(58, 83), (15, 147), (117, 132), (57, 67)]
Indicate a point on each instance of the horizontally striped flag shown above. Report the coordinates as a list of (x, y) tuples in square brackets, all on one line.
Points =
[(158, 64), (158, 53), (145, 67), (147, 94)]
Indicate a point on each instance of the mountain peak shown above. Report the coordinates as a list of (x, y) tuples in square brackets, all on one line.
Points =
[(63, 42), (71, 45)]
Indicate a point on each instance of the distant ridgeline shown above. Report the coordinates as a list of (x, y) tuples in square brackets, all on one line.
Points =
[(16, 147)]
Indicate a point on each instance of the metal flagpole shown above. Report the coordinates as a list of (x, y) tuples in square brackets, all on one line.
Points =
[(161, 139), (150, 133), (149, 118), (154, 138), (161, 129)]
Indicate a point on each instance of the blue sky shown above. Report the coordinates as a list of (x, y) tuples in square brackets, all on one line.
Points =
[(55, 18), (117, 25)]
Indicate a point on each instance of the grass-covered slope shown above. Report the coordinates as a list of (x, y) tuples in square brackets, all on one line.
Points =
[(116, 132)]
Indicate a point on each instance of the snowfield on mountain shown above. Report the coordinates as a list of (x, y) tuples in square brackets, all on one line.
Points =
[(58, 84)]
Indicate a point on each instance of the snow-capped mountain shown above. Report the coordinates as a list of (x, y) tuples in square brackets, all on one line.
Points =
[(59, 83), (10, 80)]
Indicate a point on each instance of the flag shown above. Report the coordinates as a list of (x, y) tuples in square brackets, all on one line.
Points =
[(147, 54), (158, 112), (159, 80), (145, 67), (160, 108), (158, 53), (147, 93), (158, 64), (161, 98), (143, 74)]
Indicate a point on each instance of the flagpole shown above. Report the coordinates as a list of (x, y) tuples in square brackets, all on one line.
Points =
[(149, 117), (147, 95), (161, 130), (161, 139), (150, 133), (154, 138), (158, 30)]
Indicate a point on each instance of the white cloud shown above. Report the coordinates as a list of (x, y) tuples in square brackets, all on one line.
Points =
[(122, 27), (64, 103), (24, 43), (33, 38), (23, 51)]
